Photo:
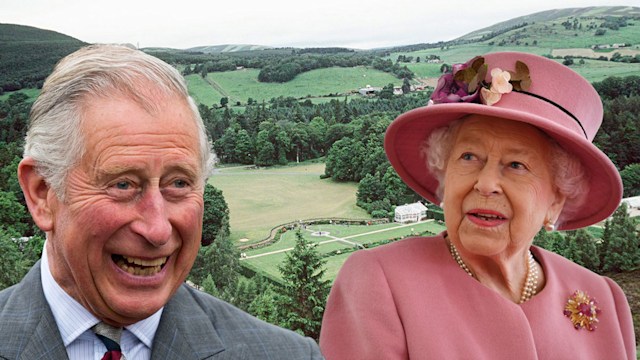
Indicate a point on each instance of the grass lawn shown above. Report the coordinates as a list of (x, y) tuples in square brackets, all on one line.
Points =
[(260, 199), (243, 84), (360, 234), (201, 91)]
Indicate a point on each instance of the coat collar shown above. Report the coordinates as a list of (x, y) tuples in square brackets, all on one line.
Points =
[(27, 324), (187, 331)]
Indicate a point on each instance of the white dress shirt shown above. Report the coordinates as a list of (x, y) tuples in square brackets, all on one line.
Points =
[(75, 323)]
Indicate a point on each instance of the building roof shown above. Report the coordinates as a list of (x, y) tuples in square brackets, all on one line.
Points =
[(410, 208)]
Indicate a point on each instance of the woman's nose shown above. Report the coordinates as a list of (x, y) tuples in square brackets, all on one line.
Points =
[(488, 182)]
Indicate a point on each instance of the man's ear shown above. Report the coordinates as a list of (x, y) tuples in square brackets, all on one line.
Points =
[(36, 194)]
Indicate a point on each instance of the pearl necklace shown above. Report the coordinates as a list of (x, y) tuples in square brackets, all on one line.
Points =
[(530, 284)]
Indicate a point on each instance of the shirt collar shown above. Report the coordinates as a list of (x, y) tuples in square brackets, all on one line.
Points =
[(73, 319)]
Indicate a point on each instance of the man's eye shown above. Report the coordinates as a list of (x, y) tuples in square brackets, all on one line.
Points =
[(123, 185), (180, 183)]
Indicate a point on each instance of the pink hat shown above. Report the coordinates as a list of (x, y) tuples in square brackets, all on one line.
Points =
[(545, 94)]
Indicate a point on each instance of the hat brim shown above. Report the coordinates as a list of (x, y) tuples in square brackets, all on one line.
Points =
[(405, 136)]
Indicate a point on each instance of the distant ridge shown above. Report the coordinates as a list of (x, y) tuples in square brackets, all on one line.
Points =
[(551, 15), (21, 33), (214, 49), (28, 54)]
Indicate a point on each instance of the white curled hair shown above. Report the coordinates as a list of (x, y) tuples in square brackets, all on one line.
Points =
[(568, 173), (54, 137)]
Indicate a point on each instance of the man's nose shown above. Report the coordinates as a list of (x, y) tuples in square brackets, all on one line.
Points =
[(153, 223)]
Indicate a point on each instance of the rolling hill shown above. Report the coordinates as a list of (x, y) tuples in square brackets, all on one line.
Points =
[(28, 54)]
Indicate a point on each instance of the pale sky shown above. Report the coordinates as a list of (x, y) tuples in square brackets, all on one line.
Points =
[(363, 24)]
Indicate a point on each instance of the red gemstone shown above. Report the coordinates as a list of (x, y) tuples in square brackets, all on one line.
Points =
[(585, 309)]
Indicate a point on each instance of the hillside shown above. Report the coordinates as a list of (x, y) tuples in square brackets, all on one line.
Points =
[(551, 16), (28, 54)]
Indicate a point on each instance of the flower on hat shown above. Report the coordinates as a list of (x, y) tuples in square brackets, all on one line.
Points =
[(582, 310), (499, 85), (465, 83)]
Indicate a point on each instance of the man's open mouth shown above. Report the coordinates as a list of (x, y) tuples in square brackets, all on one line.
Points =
[(139, 267)]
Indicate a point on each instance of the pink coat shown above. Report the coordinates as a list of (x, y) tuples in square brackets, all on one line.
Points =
[(410, 299)]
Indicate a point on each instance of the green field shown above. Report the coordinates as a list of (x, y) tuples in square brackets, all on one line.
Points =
[(31, 94), (260, 199), (270, 257), (201, 91), (240, 85)]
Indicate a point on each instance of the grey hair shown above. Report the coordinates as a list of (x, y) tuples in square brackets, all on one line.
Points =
[(569, 175), (54, 138)]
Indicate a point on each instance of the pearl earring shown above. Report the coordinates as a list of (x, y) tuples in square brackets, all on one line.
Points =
[(549, 226), (442, 205)]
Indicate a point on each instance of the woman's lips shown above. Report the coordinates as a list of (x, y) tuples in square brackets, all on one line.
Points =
[(486, 217)]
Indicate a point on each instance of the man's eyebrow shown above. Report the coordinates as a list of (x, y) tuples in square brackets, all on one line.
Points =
[(189, 170)]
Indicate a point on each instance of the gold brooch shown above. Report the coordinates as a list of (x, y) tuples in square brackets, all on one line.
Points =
[(582, 310)]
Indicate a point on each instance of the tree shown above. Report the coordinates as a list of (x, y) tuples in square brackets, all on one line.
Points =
[(12, 267), (621, 242), (220, 258), (224, 101), (265, 151), (370, 189), (305, 292), (583, 249), (386, 92), (215, 222), (244, 151), (265, 306), (13, 214), (406, 86), (631, 180)]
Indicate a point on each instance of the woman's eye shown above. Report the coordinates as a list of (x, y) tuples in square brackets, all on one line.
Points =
[(517, 165), (467, 156)]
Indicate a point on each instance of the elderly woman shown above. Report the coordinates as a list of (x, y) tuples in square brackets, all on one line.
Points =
[(505, 148)]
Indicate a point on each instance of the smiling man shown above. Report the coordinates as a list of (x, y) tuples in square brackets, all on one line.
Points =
[(115, 162)]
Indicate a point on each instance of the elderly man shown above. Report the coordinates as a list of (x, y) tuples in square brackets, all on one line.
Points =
[(114, 168)]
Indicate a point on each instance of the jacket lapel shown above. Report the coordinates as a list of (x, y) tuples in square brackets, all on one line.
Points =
[(186, 332), (29, 325)]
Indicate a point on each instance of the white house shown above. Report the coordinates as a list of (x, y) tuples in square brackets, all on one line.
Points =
[(369, 90), (633, 205), (410, 212)]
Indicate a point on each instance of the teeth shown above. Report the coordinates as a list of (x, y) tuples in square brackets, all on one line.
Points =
[(488, 216), (140, 267), (142, 262)]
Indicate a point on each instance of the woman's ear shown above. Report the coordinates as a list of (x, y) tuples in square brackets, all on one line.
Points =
[(36, 194), (553, 213)]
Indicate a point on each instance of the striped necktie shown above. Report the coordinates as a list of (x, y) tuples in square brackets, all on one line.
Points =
[(110, 337)]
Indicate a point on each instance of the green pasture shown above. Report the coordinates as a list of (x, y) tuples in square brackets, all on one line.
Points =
[(201, 91), (31, 94), (240, 85), (360, 234), (260, 199), (592, 70)]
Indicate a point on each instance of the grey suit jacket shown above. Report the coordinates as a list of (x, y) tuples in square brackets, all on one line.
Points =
[(194, 325)]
